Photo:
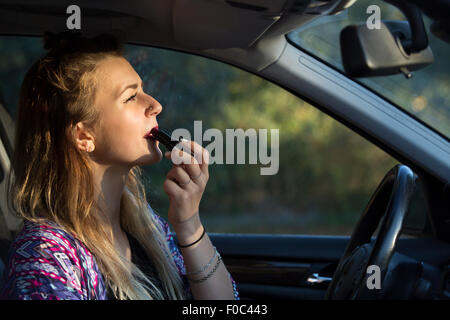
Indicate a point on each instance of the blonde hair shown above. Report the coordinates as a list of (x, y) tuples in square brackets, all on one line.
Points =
[(50, 178)]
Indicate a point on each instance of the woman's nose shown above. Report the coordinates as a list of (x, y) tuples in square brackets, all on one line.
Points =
[(154, 108)]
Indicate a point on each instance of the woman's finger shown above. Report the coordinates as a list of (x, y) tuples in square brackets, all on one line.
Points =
[(182, 157), (180, 176), (201, 155), (194, 174), (181, 154), (172, 188)]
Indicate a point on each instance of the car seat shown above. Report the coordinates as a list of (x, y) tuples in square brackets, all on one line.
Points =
[(4, 249)]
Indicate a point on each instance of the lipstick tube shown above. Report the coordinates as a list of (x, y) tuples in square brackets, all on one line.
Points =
[(166, 140)]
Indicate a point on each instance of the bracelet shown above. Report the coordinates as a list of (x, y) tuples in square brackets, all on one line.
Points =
[(206, 266), (209, 274), (188, 245)]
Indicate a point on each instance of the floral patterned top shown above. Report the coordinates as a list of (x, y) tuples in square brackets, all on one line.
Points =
[(47, 263)]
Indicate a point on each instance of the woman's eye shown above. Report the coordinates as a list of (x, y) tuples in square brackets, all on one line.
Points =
[(133, 97)]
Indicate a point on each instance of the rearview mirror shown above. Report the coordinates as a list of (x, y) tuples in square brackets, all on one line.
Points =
[(379, 52)]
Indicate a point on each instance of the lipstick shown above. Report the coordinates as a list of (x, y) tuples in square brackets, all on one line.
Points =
[(165, 139)]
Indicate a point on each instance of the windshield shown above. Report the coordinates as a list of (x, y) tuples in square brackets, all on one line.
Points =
[(426, 95)]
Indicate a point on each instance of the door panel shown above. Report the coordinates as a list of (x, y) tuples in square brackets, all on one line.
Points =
[(300, 267), (280, 266)]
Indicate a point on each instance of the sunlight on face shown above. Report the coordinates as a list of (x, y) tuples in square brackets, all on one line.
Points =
[(127, 113)]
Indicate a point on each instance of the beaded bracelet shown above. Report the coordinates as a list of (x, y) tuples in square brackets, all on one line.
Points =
[(209, 274), (206, 266)]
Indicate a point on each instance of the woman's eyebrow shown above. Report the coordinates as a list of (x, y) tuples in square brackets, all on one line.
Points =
[(130, 86)]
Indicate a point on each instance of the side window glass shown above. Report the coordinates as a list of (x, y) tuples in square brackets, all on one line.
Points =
[(319, 174), (14, 63), (323, 174)]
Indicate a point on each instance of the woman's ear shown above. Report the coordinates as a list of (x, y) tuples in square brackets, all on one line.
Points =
[(83, 138)]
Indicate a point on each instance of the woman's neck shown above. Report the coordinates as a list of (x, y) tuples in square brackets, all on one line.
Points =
[(109, 185)]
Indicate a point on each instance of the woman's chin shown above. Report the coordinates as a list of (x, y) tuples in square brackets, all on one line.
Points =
[(155, 156), (158, 155), (152, 155)]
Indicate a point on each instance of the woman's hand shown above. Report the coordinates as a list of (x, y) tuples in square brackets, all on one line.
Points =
[(185, 184)]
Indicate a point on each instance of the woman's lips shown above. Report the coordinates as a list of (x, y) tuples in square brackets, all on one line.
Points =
[(149, 135)]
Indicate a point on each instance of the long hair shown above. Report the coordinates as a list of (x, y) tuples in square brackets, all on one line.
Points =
[(51, 179)]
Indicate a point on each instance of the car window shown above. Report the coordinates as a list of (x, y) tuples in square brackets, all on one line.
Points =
[(425, 95), (15, 61), (325, 175), (326, 172)]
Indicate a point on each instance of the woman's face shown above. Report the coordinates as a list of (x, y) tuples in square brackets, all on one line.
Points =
[(126, 114)]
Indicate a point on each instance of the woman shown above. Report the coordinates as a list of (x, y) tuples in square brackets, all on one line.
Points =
[(88, 231)]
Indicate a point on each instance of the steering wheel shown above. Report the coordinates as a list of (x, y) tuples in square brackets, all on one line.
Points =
[(391, 201)]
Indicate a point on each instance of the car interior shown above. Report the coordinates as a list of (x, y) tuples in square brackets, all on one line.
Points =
[(405, 227)]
